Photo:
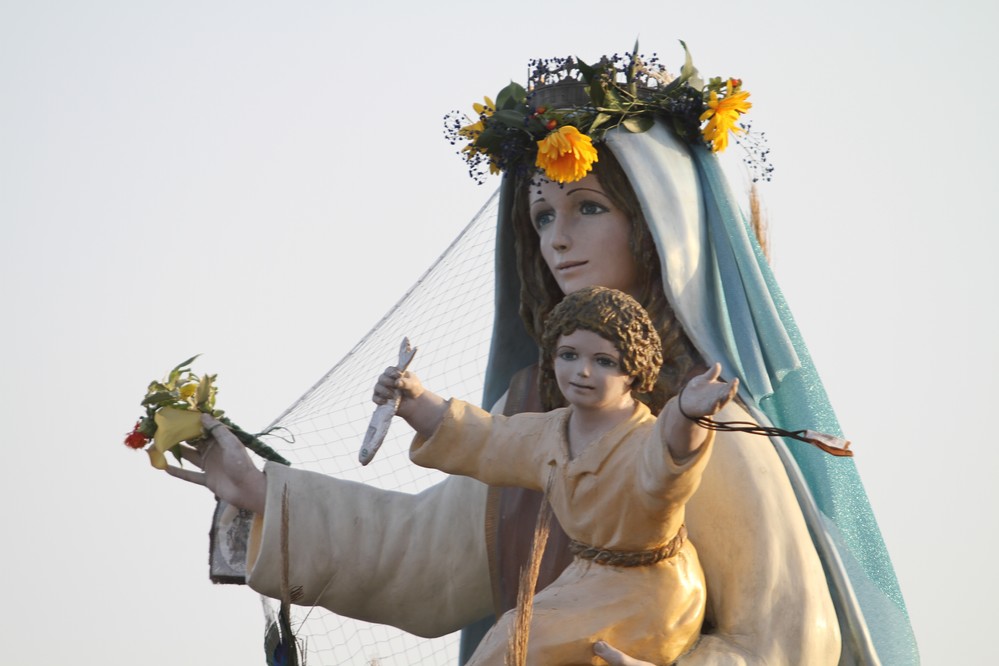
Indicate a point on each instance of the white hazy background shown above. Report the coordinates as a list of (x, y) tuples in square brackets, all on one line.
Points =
[(261, 181)]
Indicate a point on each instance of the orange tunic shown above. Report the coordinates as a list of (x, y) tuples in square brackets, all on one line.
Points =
[(623, 492)]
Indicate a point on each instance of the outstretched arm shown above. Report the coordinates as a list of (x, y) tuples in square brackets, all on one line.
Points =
[(422, 409), (704, 395), (228, 470)]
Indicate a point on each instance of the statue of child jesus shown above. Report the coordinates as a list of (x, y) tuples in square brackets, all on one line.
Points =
[(620, 479)]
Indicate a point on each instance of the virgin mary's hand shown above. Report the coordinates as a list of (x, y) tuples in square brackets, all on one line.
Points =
[(615, 657), (228, 470)]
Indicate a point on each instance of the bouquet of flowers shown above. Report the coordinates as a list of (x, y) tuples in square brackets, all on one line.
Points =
[(173, 415)]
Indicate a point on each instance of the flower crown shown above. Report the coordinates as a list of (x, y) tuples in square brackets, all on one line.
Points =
[(552, 125)]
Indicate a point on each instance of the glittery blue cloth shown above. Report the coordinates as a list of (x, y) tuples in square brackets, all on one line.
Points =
[(726, 298), (792, 396)]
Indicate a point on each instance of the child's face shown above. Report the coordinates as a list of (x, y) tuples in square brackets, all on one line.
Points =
[(588, 372)]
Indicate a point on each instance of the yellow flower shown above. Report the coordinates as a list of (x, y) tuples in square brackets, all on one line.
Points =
[(472, 132), (188, 390), (173, 426), (472, 150), (482, 111), (723, 114), (488, 108), (566, 155), (156, 459)]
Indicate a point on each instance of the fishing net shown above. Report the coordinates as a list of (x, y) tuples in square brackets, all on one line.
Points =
[(448, 315)]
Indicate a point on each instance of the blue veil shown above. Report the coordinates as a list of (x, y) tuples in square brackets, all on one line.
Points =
[(724, 294)]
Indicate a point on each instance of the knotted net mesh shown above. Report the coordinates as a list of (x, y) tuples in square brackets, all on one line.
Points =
[(448, 315)]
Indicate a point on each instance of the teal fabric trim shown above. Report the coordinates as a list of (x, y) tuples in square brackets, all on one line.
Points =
[(511, 348), (767, 352)]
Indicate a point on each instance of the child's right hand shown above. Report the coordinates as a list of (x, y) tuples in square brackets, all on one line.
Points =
[(394, 384)]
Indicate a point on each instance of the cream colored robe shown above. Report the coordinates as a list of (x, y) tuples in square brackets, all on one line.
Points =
[(419, 562), (623, 492)]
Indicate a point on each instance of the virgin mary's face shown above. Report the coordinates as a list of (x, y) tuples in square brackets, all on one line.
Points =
[(585, 239)]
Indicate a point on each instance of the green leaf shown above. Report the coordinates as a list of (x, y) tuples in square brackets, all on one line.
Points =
[(688, 73), (147, 427), (490, 140), (638, 124), (204, 393), (180, 367), (596, 93), (511, 97), (667, 90), (585, 70), (600, 119), (715, 83), (509, 117), (159, 398), (633, 69), (537, 125), (611, 100), (155, 386)]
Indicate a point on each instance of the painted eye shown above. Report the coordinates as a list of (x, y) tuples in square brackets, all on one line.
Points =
[(568, 356), (606, 362), (543, 219), (591, 208)]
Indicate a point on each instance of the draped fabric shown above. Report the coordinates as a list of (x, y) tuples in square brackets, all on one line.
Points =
[(725, 296)]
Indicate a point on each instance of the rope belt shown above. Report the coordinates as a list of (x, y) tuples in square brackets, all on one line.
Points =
[(619, 558)]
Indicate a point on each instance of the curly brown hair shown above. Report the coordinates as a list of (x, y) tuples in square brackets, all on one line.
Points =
[(539, 292), (614, 316)]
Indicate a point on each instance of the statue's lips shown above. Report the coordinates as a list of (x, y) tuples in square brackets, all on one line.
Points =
[(568, 265)]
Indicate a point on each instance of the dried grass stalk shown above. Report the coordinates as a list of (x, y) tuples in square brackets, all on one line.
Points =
[(284, 614), (758, 221), (516, 654)]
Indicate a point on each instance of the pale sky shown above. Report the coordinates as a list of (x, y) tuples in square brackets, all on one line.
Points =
[(260, 182)]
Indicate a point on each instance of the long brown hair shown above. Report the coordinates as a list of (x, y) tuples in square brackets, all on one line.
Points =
[(539, 292)]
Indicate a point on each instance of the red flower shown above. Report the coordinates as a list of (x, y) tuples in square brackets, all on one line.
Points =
[(136, 439)]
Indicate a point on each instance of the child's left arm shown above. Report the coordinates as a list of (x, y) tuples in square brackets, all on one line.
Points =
[(704, 395)]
